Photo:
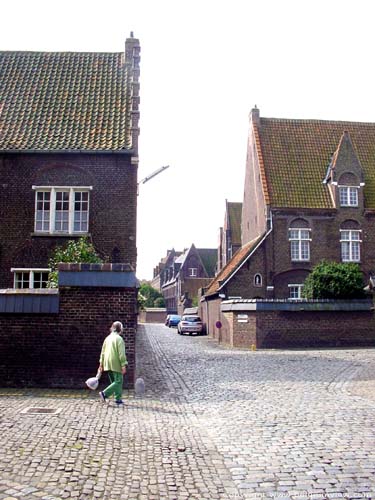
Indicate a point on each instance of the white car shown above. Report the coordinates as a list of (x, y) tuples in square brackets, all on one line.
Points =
[(190, 323)]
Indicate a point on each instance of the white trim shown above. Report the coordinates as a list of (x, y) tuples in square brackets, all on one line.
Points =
[(53, 190), (75, 188), (30, 271), (270, 288), (299, 286), (25, 269)]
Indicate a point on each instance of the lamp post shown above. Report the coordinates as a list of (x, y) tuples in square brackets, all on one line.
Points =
[(151, 176)]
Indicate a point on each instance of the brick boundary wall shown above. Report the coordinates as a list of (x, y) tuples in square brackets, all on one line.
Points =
[(152, 315), (62, 349), (282, 324)]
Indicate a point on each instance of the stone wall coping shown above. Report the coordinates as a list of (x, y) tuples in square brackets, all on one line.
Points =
[(296, 305), (106, 266)]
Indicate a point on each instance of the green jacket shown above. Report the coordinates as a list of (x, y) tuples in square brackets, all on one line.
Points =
[(113, 356)]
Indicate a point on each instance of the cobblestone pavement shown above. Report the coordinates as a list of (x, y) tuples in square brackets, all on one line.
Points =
[(214, 423)]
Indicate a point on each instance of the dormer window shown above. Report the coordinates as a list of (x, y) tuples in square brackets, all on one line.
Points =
[(348, 196)]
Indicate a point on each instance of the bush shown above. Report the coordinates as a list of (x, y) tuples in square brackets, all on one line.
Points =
[(332, 280), (76, 251), (149, 297)]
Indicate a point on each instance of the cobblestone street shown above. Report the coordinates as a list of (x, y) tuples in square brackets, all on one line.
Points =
[(214, 423)]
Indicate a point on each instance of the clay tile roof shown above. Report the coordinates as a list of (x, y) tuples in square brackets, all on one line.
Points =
[(239, 257), (296, 154), (58, 101), (235, 217)]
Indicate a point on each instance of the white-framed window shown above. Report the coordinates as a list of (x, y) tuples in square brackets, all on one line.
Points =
[(299, 244), (348, 196), (257, 279), (30, 278), (61, 209), (350, 245), (295, 291), (193, 272)]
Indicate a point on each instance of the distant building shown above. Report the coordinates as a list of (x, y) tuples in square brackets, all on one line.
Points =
[(230, 234), (182, 274)]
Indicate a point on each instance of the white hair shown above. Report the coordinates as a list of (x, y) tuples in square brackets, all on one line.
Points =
[(117, 327)]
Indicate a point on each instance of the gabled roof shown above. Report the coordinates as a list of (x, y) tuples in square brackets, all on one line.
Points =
[(209, 260), (234, 210), (297, 153), (65, 101), (233, 266)]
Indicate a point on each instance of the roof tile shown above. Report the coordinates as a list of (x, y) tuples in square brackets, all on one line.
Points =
[(58, 101)]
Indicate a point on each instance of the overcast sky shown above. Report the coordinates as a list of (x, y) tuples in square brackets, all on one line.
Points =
[(204, 64)]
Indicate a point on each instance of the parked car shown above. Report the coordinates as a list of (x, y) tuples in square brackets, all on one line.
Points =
[(172, 320), (190, 323)]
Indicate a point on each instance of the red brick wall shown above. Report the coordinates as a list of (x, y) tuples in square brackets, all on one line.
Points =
[(288, 329), (62, 350), (113, 199), (280, 329)]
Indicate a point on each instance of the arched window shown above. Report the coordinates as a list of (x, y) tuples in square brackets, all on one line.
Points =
[(258, 279), (299, 237), (350, 240)]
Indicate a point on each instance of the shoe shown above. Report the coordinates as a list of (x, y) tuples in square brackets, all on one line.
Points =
[(119, 402), (102, 396)]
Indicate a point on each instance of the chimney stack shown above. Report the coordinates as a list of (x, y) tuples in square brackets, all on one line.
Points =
[(254, 115)]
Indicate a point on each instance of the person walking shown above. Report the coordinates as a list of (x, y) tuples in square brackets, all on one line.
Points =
[(113, 360)]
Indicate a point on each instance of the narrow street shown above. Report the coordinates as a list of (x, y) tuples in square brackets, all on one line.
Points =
[(214, 423)]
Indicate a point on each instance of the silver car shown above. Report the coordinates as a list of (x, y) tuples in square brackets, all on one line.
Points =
[(190, 323)]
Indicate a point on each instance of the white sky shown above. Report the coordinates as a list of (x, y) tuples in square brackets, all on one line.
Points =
[(204, 64)]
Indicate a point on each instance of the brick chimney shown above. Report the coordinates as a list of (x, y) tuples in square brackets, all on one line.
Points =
[(132, 59), (254, 115)]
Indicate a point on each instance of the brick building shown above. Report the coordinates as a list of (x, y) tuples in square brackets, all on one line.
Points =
[(229, 234), (68, 157), (309, 195), (184, 273)]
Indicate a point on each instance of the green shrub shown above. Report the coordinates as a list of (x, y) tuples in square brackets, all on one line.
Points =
[(75, 251), (149, 297), (332, 280)]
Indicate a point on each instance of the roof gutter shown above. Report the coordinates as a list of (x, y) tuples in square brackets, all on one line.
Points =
[(251, 253)]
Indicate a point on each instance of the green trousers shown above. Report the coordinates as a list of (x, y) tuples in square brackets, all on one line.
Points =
[(115, 387)]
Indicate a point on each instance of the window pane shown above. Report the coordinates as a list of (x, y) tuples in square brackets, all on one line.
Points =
[(305, 235), (355, 235), (293, 234), (353, 197), (22, 280), (305, 250), (343, 196), (80, 211), (294, 250), (62, 211), (345, 251), (42, 211), (40, 279), (355, 252)]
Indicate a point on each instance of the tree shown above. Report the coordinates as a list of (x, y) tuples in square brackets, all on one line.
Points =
[(332, 280), (149, 297), (75, 251)]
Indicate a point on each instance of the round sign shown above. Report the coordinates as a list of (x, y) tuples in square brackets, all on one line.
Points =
[(218, 324)]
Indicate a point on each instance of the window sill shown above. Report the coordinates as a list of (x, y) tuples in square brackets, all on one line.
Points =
[(59, 235)]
